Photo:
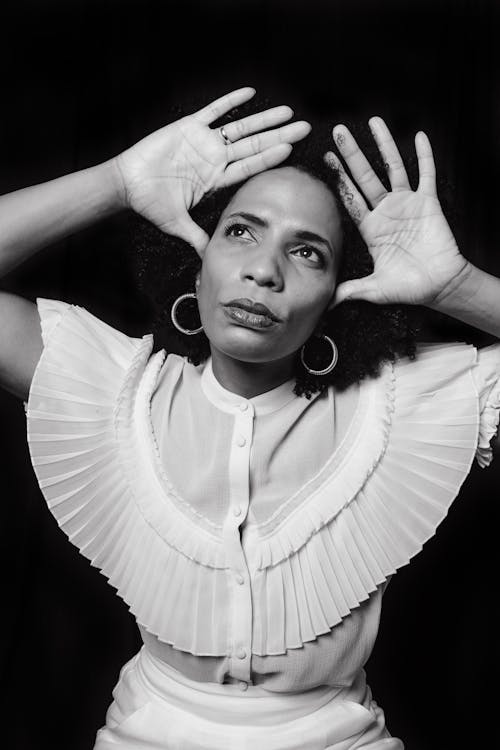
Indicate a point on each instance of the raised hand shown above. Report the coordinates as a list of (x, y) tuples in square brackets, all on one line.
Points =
[(167, 173), (415, 254)]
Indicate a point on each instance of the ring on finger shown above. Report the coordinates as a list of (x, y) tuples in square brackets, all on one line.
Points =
[(224, 136)]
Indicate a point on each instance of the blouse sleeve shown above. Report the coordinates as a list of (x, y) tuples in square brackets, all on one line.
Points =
[(92, 453), (83, 385), (486, 375), (50, 312)]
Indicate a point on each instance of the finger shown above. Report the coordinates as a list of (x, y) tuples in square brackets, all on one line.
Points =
[(260, 121), (426, 166), (245, 168), (358, 165), (388, 743), (188, 230), (223, 105), (365, 288), (389, 151), (351, 197), (259, 142)]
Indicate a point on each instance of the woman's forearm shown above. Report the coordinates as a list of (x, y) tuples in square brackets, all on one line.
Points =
[(37, 216), (473, 297), (162, 177)]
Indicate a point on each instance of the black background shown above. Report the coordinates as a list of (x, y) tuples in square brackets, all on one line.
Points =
[(81, 80)]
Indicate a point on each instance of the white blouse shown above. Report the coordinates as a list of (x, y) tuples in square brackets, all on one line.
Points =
[(251, 538)]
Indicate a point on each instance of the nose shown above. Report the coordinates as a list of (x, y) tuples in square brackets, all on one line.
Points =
[(262, 265)]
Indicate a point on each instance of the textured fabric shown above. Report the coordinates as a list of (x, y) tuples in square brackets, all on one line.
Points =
[(488, 387), (157, 707), (181, 404), (251, 538)]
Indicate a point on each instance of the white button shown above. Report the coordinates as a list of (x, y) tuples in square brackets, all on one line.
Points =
[(240, 441), (243, 685), (243, 406), (241, 653), (239, 579), (236, 510)]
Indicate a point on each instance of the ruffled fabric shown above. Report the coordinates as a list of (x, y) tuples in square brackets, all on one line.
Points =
[(87, 451), (385, 499), (380, 497), (488, 429), (487, 381)]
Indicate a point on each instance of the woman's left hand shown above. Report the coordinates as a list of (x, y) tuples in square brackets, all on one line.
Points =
[(415, 254)]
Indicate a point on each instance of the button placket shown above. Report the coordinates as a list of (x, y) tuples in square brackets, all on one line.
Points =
[(240, 622), (239, 463)]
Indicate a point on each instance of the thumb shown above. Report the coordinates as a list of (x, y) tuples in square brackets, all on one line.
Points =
[(365, 288), (188, 230)]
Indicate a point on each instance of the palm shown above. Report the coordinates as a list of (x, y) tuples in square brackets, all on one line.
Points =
[(413, 249), (169, 171)]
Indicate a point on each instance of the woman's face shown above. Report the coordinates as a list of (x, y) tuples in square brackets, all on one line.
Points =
[(277, 244)]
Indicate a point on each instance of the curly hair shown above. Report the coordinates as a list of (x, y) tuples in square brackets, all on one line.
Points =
[(366, 335)]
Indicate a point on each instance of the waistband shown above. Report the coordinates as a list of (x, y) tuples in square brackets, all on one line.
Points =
[(254, 703), (157, 706)]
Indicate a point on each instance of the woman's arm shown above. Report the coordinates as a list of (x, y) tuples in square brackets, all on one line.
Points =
[(37, 216), (416, 258), (29, 220), (473, 297), (162, 177)]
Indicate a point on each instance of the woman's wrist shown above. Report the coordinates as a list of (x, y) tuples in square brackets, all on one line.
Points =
[(459, 290), (472, 296), (111, 177)]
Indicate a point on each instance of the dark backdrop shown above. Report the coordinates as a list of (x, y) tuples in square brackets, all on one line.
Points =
[(82, 79)]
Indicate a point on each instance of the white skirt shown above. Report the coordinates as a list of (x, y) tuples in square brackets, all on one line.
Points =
[(155, 707)]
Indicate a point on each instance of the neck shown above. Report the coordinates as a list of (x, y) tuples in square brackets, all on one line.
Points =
[(249, 379)]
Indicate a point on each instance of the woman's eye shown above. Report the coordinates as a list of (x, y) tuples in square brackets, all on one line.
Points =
[(309, 253), (237, 230)]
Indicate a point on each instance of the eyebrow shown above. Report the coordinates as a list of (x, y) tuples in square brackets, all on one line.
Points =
[(302, 234)]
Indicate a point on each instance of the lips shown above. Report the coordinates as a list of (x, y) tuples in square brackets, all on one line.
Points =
[(254, 308), (249, 314)]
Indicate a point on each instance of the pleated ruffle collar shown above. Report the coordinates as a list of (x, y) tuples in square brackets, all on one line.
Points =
[(378, 500)]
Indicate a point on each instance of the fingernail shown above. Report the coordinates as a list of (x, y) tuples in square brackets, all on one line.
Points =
[(339, 139), (330, 159)]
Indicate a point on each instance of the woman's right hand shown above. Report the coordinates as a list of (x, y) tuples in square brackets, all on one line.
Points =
[(167, 173)]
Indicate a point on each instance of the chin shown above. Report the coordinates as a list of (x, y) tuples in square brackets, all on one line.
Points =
[(250, 346)]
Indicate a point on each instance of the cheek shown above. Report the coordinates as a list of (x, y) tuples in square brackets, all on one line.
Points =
[(205, 293), (213, 275), (307, 310), (214, 266), (304, 320)]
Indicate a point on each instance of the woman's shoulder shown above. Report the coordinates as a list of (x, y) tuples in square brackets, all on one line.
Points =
[(82, 330), (437, 367)]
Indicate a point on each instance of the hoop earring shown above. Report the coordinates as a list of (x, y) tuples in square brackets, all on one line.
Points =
[(187, 331), (329, 368)]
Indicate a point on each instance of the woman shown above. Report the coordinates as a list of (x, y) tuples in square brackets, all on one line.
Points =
[(252, 531)]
